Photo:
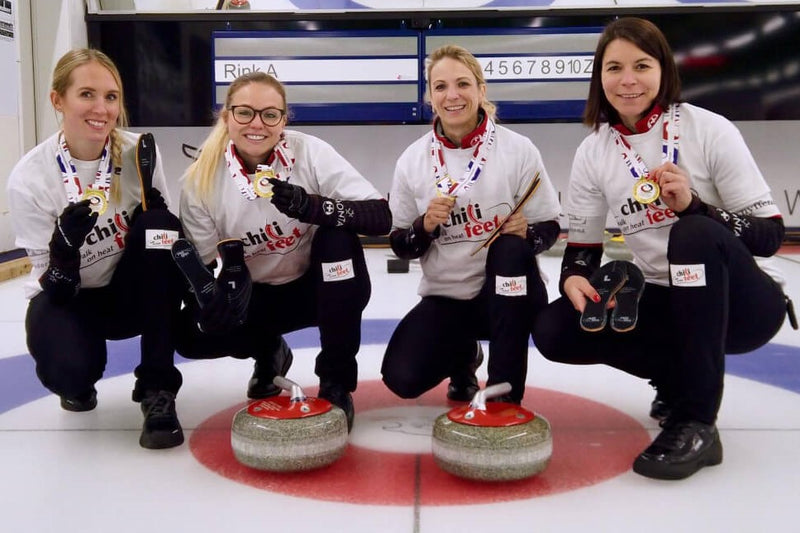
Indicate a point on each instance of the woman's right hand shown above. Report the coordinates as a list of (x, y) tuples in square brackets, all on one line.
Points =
[(438, 212), (578, 289)]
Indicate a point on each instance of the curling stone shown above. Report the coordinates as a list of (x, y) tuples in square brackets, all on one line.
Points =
[(289, 433), (495, 441), (614, 247)]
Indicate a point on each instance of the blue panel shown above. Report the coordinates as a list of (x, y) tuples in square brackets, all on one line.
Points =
[(529, 110), (359, 112)]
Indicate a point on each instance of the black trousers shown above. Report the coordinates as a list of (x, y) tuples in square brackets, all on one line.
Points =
[(437, 337), (333, 306), (68, 342), (683, 332)]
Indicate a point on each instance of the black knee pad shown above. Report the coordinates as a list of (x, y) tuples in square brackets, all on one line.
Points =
[(155, 228), (509, 255), (692, 238), (332, 244)]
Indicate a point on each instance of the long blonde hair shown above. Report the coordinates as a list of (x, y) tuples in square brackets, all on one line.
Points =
[(62, 81), (200, 174), (465, 57)]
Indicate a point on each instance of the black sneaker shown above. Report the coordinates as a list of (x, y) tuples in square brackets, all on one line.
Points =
[(161, 426), (661, 406), (261, 385), (79, 404), (464, 383), (340, 397), (680, 450)]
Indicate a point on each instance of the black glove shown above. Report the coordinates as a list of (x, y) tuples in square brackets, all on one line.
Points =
[(153, 200), (62, 279), (233, 287), (291, 200), (73, 225)]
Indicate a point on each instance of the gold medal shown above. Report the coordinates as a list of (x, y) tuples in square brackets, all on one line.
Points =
[(97, 200), (444, 185), (646, 191), (261, 184)]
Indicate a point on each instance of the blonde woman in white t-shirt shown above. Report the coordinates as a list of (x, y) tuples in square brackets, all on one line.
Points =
[(86, 206), (451, 189)]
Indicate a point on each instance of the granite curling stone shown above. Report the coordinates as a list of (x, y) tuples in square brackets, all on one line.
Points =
[(495, 441), (289, 433), (614, 247)]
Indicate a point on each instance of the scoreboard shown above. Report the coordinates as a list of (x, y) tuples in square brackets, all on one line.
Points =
[(379, 76), (329, 76), (530, 73)]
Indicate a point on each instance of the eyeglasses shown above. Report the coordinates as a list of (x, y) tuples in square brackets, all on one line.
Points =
[(244, 114)]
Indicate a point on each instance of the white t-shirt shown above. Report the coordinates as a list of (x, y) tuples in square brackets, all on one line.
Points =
[(277, 248), (448, 269), (713, 153), (36, 196)]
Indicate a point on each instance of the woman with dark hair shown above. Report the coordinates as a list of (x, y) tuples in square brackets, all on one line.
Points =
[(699, 219), (442, 216), (87, 208)]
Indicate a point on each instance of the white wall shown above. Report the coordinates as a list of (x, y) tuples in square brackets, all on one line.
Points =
[(10, 107), (59, 26)]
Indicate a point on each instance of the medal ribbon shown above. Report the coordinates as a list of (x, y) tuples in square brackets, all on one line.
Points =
[(669, 145), (69, 174), (444, 183), (282, 153)]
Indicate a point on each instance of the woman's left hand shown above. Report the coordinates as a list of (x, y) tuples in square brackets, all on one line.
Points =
[(516, 224), (674, 184)]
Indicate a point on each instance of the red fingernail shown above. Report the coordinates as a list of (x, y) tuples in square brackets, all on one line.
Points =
[(596, 298)]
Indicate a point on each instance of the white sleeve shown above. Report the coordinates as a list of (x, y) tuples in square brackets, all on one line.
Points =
[(544, 205), (199, 226), (33, 223), (402, 203), (337, 178), (585, 205), (736, 176)]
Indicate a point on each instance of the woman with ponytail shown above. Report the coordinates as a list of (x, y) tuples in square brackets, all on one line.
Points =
[(284, 211), (86, 206)]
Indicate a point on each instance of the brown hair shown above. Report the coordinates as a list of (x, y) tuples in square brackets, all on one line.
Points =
[(464, 56), (646, 36)]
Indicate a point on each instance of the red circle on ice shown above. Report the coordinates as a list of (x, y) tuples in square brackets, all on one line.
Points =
[(592, 443)]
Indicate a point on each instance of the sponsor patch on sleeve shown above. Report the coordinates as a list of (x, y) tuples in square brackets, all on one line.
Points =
[(513, 286), (338, 271), (688, 275), (159, 239)]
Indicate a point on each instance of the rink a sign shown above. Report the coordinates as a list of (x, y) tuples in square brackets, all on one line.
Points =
[(332, 76)]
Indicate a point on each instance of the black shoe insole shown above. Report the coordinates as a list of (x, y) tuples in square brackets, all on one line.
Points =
[(196, 273), (607, 280), (626, 312)]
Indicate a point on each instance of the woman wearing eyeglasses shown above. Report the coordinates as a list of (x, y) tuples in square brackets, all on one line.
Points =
[(283, 210)]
